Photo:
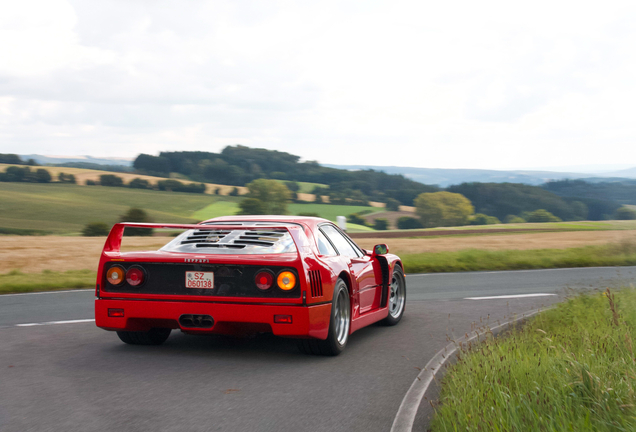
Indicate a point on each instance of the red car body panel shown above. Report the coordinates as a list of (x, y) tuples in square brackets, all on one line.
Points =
[(366, 277)]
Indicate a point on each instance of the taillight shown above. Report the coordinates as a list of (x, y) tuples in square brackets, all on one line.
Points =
[(286, 280), (135, 276), (115, 275), (264, 280)]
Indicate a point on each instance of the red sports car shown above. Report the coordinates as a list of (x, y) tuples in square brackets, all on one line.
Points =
[(299, 277)]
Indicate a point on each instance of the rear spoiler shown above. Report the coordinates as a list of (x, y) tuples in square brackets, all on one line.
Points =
[(113, 242)]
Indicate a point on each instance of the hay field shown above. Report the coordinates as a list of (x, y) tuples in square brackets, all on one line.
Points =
[(34, 254), (551, 240)]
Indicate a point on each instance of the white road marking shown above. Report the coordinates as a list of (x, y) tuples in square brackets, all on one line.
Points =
[(56, 322), (47, 292), (509, 296)]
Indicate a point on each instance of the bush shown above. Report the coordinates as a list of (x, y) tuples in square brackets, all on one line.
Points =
[(66, 178), (235, 192), (407, 222), (136, 215), (443, 209), (18, 174), (91, 183), (355, 218), (625, 213), (381, 224), (95, 229), (510, 219), (482, 219), (392, 204), (292, 186), (43, 176), (542, 215), (138, 183), (217, 191), (111, 180)]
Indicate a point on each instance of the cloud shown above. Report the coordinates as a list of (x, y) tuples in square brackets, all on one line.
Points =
[(481, 85)]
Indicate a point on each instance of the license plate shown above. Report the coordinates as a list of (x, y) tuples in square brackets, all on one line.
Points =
[(199, 280)]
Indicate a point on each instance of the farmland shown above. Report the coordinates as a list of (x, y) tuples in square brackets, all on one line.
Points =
[(65, 208)]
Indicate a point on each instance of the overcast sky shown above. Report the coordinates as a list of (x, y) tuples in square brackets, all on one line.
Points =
[(421, 83)]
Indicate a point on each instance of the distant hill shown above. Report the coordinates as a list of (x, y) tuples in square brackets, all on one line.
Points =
[(447, 177), (54, 160)]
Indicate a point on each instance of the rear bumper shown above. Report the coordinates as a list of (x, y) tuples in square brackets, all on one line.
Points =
[(229, 318)]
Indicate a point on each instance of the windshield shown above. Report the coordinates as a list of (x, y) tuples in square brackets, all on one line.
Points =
[(250, 240)]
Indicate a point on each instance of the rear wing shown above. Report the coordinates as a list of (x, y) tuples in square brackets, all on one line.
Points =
[(113, 242)]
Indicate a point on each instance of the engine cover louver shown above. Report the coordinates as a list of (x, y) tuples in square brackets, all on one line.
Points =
[(237, 239), (316, 283)]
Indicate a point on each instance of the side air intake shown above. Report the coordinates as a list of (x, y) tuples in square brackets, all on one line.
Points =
[(316, 283)]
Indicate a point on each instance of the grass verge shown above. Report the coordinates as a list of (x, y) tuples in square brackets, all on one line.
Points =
[(18, 282), (571, 368), (621, 254)]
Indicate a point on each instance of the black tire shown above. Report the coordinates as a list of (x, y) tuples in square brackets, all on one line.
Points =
[(155, 336), (398, 277), (333, 345)]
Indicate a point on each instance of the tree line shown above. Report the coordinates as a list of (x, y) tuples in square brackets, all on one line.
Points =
[(240, 165)]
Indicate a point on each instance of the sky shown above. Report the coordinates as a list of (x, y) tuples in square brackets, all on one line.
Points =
[(491, 85)]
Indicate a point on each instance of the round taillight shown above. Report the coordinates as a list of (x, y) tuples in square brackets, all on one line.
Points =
[(115, 275), (135, 276), (264, 280), (286, 280)]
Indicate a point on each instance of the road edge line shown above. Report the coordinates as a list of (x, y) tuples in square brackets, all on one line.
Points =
[(405, 417)]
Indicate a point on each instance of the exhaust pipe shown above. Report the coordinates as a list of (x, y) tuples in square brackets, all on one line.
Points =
[(196, 321)]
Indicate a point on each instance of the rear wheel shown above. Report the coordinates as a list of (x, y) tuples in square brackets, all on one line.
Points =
[(155, 336), (339, 326), (397, 297)]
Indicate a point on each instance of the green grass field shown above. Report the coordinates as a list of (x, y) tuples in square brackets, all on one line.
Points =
[(571, 368), (622, 254), (305, 187), (65, 209)]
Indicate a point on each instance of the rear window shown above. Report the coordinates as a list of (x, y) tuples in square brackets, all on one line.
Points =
[(250, 240)]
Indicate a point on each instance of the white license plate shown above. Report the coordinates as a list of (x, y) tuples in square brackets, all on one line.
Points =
[(199, 280)]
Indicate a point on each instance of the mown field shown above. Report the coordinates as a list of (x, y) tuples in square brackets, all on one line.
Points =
[(571, 368), (65, 209)]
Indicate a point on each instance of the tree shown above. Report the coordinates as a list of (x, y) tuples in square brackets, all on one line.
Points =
[(66, 178), (392, 204), (407, 222), (95, 229), (292, 186), (542, 215), (234, 192), (514, 219), (139, 183), (381, 224), (273, 195), (136, 215), (252, 206), (355, 218), (625, 213), (11, 159), (443, 209), (43, 176), (111, 180), (482, 219)]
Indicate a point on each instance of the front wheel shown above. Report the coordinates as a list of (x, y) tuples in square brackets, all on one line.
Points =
[(155, 336), (397, 297), (339, 326)]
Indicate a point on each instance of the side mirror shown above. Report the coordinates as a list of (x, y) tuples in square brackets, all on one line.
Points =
[(380, 249)]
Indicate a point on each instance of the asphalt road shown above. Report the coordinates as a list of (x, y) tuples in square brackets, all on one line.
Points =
[(76, 377)]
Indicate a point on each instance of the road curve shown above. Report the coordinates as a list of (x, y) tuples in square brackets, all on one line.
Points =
[(75, 377)]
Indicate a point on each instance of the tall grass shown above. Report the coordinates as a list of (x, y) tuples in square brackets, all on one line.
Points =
[(572, 368), (619, 254), (17, 282)]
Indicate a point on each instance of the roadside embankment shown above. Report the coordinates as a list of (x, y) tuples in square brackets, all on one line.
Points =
[(570, 368)]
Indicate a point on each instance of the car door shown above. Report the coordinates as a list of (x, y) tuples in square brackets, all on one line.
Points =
[(360, 267)]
